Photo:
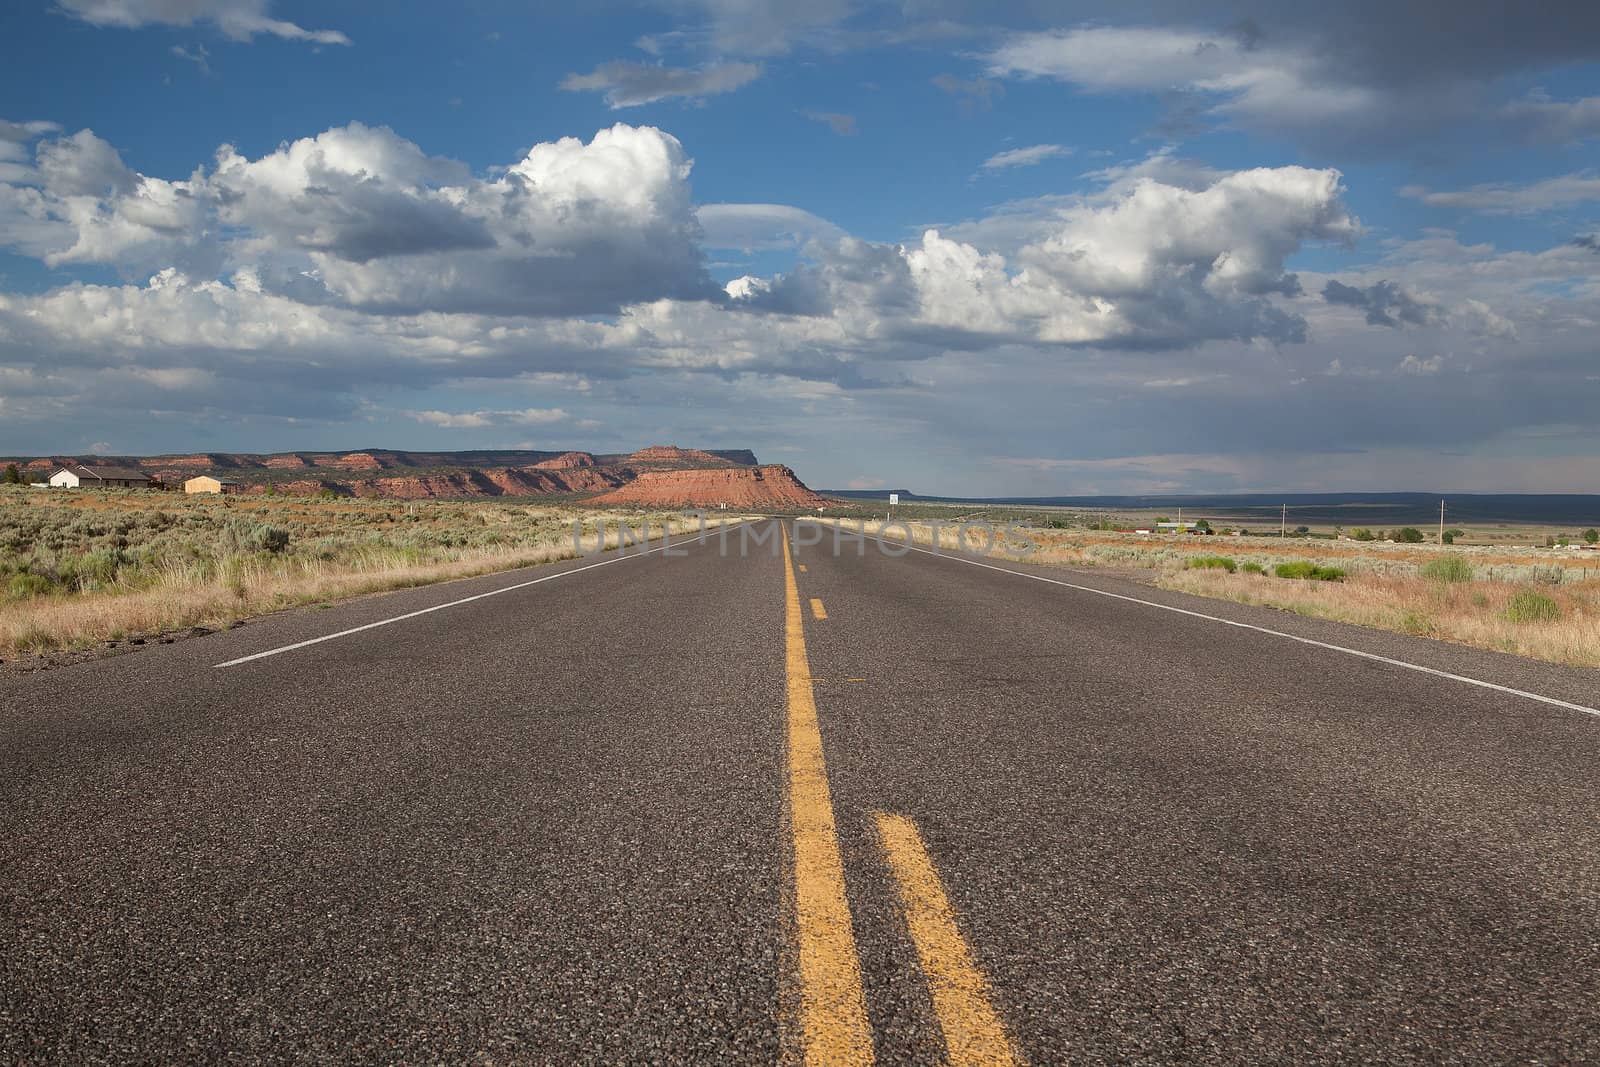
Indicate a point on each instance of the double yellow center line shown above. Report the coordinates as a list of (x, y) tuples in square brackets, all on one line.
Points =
[(833, 1025), (833, 1009)]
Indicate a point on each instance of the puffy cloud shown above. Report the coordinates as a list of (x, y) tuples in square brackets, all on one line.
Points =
[(1549, 194), (628, 84), (1025, 157), (362, 217), (1145, 264), (79, 202), (239, 20), (1385, 303)]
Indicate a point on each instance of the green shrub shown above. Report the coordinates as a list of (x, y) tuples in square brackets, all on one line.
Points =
[(1415, 622), (23, 586), (1528, 605), (1361, 533), (1447, 569), (1409, 535), (1253, 568), (1210, 563), (1305, 569), (1592, 536)]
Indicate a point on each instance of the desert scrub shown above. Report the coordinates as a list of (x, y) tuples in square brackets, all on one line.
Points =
[(1305, 569), (1448, 569), (1205, 563), (1530, 605), (77, 566), (1252, 567)]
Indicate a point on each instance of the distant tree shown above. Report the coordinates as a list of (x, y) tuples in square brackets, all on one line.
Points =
[(13, 475), (1302, 529), (1409, 535), (1203, 524), (271, 490), (1361, 533), (1591, 535), (1162, 518), (1449, 537)]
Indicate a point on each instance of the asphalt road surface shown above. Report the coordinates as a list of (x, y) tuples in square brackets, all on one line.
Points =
[(743, 807)]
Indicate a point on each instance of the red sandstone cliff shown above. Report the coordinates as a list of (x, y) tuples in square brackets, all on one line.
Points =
[(673, 456), (738, 487), (566, 461)]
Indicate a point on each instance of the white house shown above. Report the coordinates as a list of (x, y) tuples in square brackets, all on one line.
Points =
[(80, 476)]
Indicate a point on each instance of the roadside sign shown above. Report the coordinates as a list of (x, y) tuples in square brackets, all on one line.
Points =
[(894, 498)]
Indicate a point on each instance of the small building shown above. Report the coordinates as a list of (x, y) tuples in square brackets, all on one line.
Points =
[(83, 476), (207, 484)]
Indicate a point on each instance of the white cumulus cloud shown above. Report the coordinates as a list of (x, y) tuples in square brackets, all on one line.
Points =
[(363, 217)]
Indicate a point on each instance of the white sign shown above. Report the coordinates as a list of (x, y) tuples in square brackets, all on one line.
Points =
[(894, 498)]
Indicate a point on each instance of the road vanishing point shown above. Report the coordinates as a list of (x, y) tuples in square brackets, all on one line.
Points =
[(772, 799)]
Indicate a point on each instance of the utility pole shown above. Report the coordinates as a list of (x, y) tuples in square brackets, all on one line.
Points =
[(1283, 528), (1441, 522)]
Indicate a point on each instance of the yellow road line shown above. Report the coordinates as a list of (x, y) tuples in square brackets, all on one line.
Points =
[(833, 1008), (973, 1033), (817, 609)]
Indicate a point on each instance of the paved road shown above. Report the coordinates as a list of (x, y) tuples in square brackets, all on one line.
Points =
[(734, 808)]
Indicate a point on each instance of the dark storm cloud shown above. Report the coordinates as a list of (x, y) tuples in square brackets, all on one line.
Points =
[(1386, 303)]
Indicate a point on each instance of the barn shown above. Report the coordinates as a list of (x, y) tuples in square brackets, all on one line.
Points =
[(205, 483)]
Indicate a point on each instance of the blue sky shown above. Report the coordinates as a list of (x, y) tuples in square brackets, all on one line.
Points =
[(963, 248)]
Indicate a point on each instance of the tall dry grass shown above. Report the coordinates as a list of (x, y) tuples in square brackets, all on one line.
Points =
[(1477, 613)]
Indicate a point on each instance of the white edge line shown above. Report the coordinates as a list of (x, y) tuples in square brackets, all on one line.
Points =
[(1275, 633), (454, 603)]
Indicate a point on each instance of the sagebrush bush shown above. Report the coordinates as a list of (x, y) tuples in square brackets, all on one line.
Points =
[(1204, 563), (270, 538), (1252, 568)]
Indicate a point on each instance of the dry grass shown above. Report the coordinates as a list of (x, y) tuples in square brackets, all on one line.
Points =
[(1472, 613), (80, 569), (1383, 589)]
